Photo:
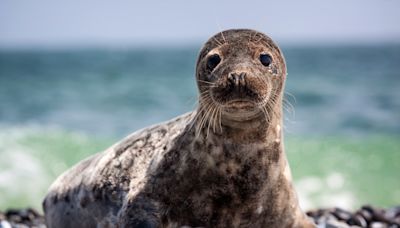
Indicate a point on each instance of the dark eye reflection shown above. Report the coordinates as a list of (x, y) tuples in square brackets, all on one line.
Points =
[(265, 59), (213, 61)]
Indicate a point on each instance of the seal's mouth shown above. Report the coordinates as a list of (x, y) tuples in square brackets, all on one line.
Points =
[(241, 109), (239, 104), (238, 99)]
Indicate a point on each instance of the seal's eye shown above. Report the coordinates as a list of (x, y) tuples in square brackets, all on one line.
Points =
[(213, 61), (265, 59)]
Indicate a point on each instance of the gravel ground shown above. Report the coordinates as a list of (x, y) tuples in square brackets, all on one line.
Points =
[(21, 218), (366, 216)]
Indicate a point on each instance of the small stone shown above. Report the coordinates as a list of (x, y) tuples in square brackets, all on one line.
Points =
[(367, 215), (393, 212), (326, 218), (5, 224), (12, 212), (15, 218), (377, 225), (361, 221), (25, 214), (336, 224), (117, 164), (341, 214)]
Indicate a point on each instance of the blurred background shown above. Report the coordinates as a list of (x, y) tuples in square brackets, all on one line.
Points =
[(77, 76)]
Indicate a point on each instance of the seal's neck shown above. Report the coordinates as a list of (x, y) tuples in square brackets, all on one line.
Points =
[(252, 131), (250, 151)]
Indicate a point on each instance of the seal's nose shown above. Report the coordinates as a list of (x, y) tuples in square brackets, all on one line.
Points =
[(237, 79)]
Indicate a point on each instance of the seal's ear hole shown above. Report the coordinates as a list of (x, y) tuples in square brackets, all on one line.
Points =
[(265, 59), (213, 61)]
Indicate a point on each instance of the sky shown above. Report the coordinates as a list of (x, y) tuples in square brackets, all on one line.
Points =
[(129, 22)]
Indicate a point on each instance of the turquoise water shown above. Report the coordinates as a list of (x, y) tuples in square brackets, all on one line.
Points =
[(342, 136)]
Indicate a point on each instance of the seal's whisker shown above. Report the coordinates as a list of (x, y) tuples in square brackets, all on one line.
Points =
[(263, 80), (215, 119), (209, 117), (257, 41), (197, 116), (288, 106), (255, 34), (199, 126), (223, 37), (207, 88), (220, 118), (287, 102), (202, 81), (217, 41), (205, 99), (205, 96), (192, 101), (204, 118), (203, 104), (211, 121), (264, 111), (270, 112), (291, 95), (204, 93), (250, 37), (208, 120), (271, 105), (286, 109)]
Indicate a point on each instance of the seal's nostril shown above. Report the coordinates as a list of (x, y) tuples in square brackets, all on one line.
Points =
[(242, 78), (237, 79), (232, 78)]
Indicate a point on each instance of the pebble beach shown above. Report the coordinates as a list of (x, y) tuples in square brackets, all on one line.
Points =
[(366, 216)]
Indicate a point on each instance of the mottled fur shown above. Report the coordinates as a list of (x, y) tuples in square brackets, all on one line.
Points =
[(222, 165)]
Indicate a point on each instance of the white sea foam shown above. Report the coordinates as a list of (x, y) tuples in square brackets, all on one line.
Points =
[(328, 191), (22, 175), (26, 170)]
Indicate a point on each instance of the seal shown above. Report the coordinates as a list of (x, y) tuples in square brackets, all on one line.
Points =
[(222, 165)]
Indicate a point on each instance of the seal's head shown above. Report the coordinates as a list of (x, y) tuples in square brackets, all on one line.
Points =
[(240, 73)]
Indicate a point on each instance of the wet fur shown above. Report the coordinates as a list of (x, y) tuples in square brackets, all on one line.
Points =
[(208, 168)]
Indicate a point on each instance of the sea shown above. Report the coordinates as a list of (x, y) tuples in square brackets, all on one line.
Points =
[(341, 123)]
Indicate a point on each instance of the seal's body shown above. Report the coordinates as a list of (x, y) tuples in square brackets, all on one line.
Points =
[(222, 165)]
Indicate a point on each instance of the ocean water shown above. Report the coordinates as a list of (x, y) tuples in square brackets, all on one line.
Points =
[(342, 133)]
